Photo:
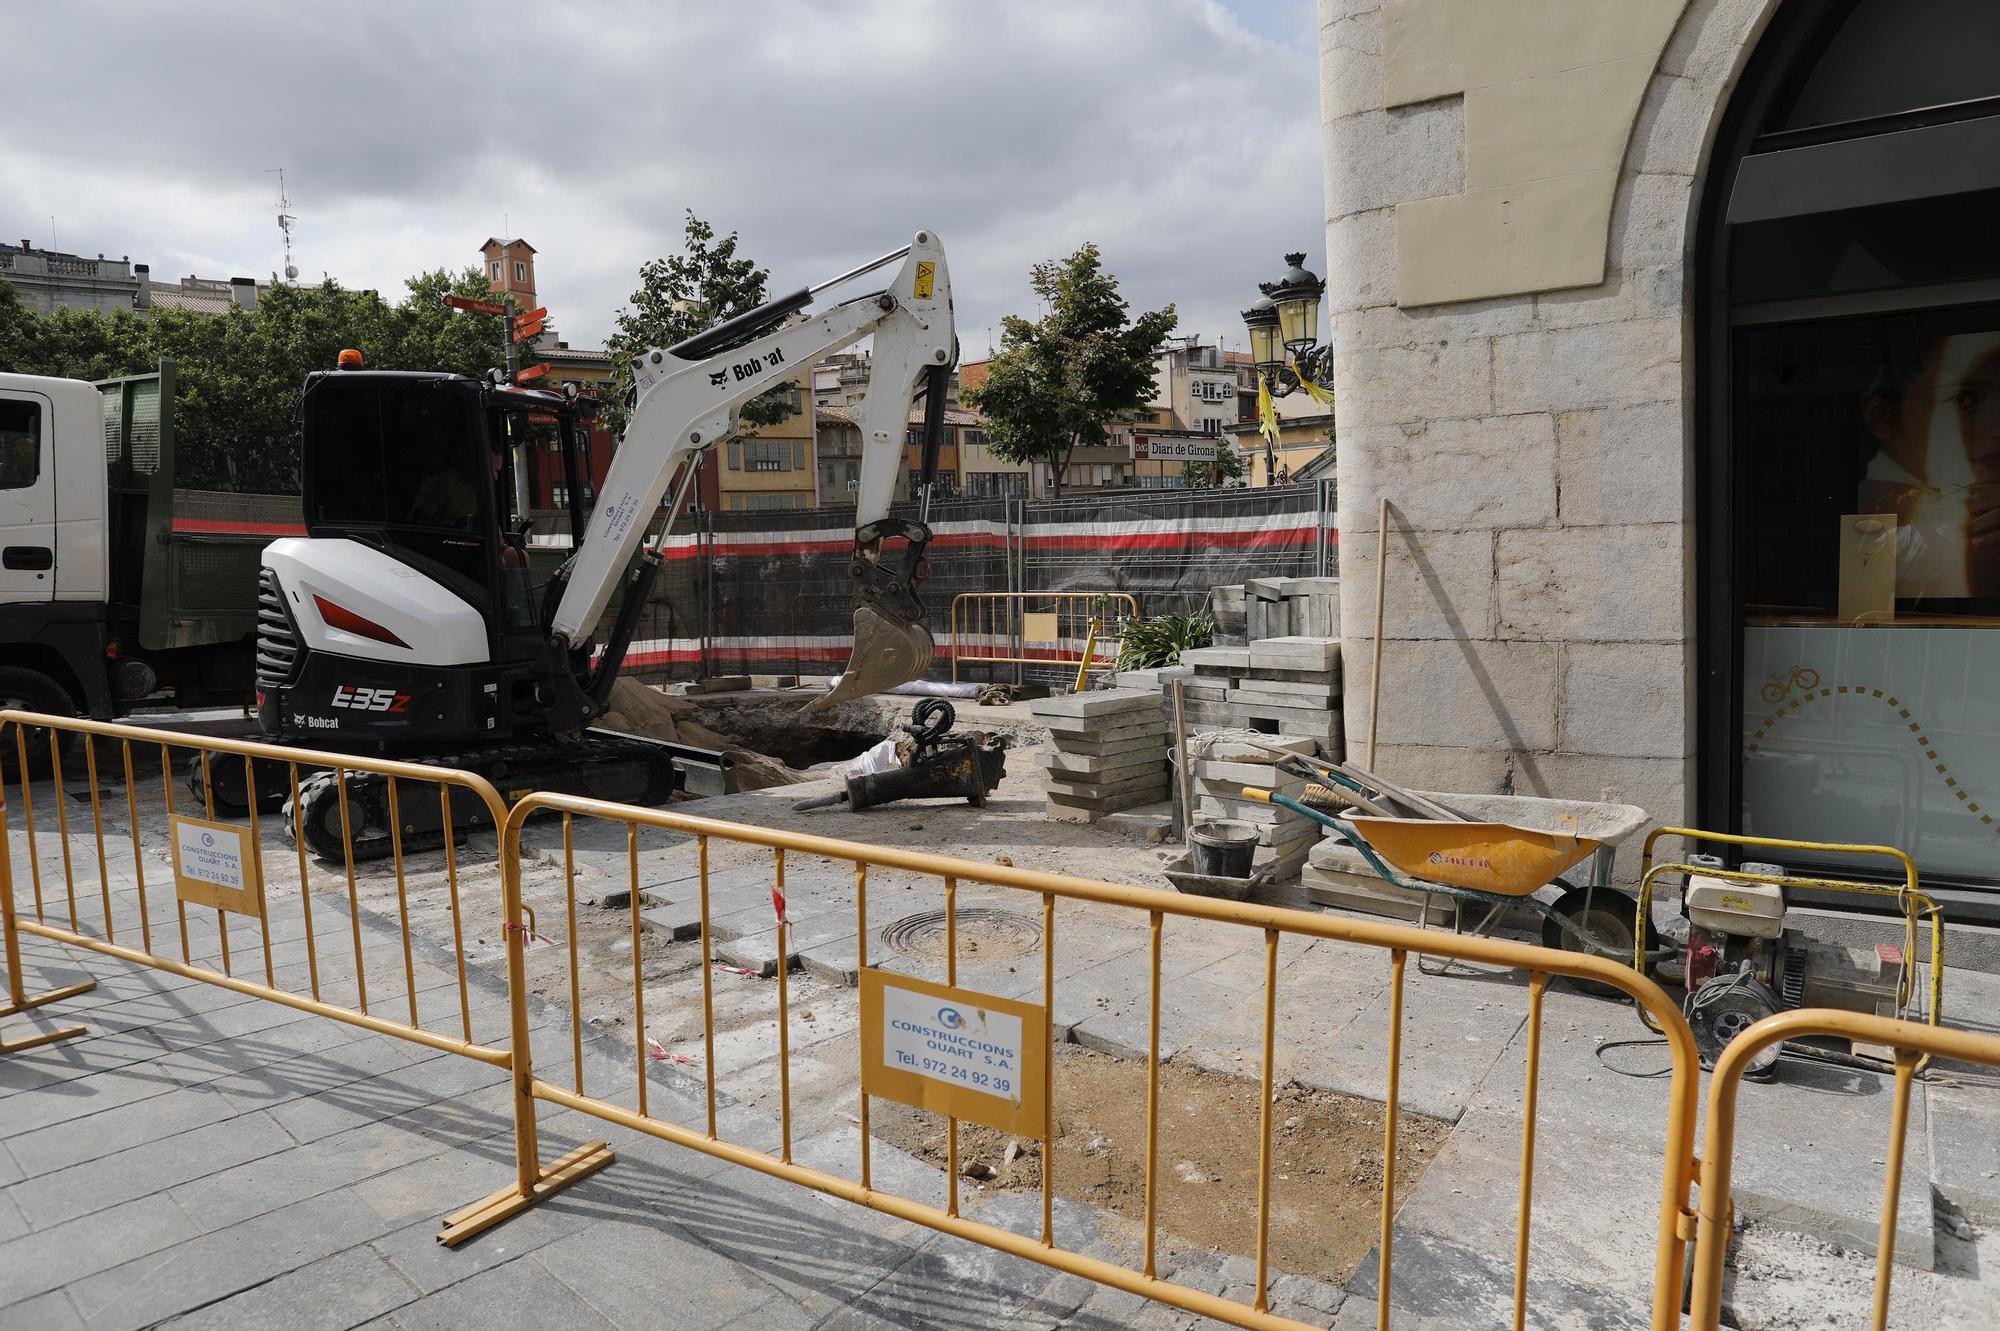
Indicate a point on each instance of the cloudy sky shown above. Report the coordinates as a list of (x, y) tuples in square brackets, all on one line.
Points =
[(1180, 135)]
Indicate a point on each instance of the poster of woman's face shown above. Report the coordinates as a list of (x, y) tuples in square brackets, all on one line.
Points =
[(1936, 424)]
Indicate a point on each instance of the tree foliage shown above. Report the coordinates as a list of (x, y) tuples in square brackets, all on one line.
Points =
[(1059, 382), (239, 374), (685, 294), (1228, 466)]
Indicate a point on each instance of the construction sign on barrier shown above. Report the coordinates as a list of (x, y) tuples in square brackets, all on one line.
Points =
[(215, 864), (970, 1055)]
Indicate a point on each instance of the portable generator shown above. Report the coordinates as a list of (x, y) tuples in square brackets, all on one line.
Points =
[(1743, 964)]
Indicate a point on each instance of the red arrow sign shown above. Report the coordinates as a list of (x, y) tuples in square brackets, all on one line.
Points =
[(475, 306), (525, 330), (532, 372), (540, 313)]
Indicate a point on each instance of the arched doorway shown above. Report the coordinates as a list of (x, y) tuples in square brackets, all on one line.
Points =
[(1848, 439)]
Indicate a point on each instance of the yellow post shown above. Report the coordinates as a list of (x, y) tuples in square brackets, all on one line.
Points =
[(17, 993), (1089, 646), (531, 1182)]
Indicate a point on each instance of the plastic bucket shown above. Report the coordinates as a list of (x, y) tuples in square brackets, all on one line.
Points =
[(1223, 850)]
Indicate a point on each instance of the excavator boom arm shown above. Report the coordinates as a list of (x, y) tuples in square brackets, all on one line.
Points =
[(688, 402)]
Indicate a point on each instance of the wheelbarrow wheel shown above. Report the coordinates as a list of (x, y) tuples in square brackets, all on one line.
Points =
[(1601, 918)]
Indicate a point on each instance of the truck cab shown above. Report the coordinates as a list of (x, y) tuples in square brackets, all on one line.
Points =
[(114, 585), (55, 566)]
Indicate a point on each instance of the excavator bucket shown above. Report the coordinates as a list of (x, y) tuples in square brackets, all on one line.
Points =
[(887, 652)]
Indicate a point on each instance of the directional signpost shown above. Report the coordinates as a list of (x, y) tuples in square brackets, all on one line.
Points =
[(467, 303)]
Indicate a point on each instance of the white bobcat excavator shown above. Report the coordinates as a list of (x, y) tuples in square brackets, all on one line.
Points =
[(405, 621)]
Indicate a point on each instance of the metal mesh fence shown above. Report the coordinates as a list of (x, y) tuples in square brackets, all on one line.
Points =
[(768, 592)]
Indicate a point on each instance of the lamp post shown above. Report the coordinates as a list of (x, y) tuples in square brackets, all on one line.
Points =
[(1284, 336)]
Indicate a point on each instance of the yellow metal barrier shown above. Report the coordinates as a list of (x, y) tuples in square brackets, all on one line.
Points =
[(1716, 1215), (1000, 625), (1675, 1223), (212, 875), (1915, 903)]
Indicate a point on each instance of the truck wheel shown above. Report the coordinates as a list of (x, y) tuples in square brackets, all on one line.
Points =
[(32, 691)]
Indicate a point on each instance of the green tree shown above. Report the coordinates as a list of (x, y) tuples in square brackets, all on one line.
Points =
[(685, 294), (1227, 466), (239, 374), (1059, 382)]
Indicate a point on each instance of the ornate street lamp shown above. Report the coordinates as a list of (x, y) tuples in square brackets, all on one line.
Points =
[(1284, 333)]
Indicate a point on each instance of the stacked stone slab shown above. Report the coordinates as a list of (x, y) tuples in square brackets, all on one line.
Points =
[(1336, 875), (1288, 686), (1276, 608), (1109, 752), (1223, 768)]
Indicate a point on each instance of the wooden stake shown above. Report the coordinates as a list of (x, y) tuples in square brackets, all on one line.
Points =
[(1381, 584)]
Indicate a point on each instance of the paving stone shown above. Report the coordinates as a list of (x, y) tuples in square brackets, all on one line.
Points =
[(1092, 764), (1128, 744), (519, 1293), (1306, 699), (61, 1255), (1446, 1287), (213, 1266), (1268, 676), (1294, 654), (611, 1266), (1110, 1005), (52, 1311), (1149, 779), (331, 1294), (1223, 659), (1129, 726), (108, 1180), (1237, 749), (223, 1198), (1965, 1147), (1110, 801), (1095, 704), (61, 1145)]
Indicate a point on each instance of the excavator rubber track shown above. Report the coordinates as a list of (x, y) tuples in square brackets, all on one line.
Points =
[(622, 769)]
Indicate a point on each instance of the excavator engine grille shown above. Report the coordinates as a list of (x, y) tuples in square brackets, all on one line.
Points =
[(277, 641)]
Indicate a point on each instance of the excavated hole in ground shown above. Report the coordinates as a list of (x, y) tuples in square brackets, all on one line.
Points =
[(1326, 1157), (779, 730)]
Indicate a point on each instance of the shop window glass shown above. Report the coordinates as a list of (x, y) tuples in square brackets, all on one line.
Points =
[(1870, 529)]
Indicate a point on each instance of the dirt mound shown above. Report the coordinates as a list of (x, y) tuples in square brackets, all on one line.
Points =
[(641, 709)]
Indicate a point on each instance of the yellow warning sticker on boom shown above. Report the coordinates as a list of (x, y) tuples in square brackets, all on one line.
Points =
[(926, 274)]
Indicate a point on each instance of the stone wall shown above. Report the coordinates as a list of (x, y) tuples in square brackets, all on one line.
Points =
[(1533, 447)]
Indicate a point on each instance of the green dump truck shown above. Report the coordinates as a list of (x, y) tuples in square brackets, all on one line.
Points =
[(116, 587)]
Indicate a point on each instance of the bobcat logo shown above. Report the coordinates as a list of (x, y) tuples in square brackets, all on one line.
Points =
[(715, 380)]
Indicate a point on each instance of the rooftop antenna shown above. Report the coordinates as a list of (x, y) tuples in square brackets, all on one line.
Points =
[(285, 220)]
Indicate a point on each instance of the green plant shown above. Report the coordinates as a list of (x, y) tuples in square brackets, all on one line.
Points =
[(1150, 643)]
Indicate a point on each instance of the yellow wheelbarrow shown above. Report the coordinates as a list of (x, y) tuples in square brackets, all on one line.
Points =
[(1496, 865)]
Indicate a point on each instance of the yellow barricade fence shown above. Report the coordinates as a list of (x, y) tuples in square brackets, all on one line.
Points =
[(1032, 1119), (1003, 628), (196, 907), (1913, 1043), (218, 893)]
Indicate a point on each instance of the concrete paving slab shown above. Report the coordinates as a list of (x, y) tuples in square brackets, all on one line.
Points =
[(1109, 1007), (636, 1272), (1097, 703), (155, 1167), (1140, 741), (1217, 658), (1809, 1153), (1442, 1286), (344, 1290), (1454, 1033), (197, 1272), (1596, 1201), (1965, 1147), (1294, 653), (520, 1293), (60, 1255)]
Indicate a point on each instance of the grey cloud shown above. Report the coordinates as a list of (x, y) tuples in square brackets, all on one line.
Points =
[(1179, 137)]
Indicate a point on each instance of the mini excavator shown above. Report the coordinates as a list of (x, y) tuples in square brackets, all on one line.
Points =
[(405, 623)]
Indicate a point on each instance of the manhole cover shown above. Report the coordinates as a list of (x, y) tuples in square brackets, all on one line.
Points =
[(984, 935)]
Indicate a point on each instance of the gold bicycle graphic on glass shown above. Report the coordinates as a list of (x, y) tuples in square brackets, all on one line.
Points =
[(1803, 678)]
